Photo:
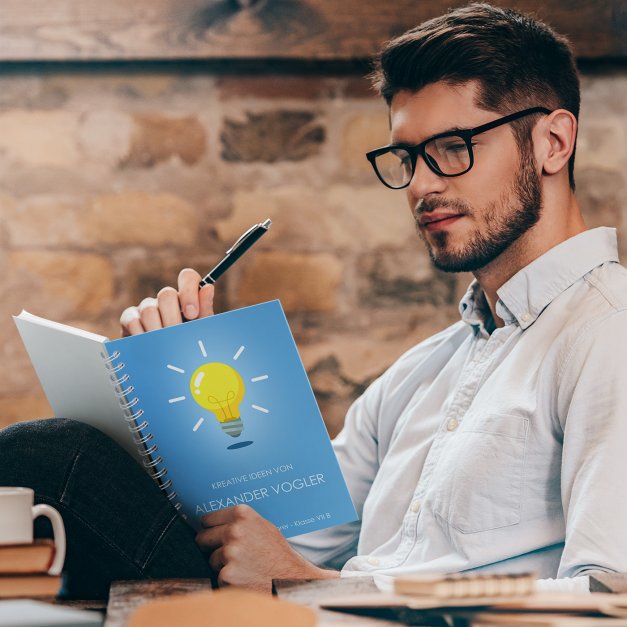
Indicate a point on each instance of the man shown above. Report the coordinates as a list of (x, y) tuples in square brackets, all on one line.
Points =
[(498, 443)]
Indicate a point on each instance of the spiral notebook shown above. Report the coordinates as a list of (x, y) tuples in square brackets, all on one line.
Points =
[(218, 410)]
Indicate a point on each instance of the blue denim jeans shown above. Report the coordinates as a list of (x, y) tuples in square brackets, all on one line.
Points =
[(118, 523)]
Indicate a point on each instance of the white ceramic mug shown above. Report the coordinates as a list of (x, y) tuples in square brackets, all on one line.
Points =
[(17, 514)]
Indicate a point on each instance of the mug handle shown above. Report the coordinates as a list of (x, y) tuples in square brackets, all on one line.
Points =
[(59, 535)]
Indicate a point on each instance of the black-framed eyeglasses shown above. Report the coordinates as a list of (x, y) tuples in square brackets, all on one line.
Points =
[(446, 154)]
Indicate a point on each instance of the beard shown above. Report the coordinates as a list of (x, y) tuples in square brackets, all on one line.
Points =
[(504, 222)]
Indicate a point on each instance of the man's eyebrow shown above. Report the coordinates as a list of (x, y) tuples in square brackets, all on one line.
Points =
[(454, 129)]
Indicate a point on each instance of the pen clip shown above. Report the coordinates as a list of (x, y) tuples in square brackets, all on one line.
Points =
[(241, 238), (265, 225)]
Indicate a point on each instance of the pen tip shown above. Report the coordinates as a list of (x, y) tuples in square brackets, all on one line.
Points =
[(267, 223)]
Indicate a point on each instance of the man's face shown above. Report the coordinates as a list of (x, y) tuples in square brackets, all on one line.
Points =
[(466, 221)]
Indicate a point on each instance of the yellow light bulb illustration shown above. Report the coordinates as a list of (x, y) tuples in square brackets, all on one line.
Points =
[(220, 389)]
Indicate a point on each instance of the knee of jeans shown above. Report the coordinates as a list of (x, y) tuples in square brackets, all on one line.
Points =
[(46, 432)]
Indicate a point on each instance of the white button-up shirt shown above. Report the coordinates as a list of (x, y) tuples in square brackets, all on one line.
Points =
[(502, 451)]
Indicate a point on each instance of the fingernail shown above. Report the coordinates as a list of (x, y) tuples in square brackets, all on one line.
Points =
[(190, 312)]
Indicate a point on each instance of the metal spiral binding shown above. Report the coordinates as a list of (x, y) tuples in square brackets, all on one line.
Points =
[(141, 437), (129, 403), (109, 358), (122, 393)]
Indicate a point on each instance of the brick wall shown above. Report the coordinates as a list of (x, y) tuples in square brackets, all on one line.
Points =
[(114, 179)]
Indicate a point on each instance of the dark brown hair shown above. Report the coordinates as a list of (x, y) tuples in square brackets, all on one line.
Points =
[(519, 61)]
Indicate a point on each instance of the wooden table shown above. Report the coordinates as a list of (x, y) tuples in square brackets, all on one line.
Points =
[(126, 596), (311, 592)]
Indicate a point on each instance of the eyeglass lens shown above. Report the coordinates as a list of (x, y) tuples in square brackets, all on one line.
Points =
[(395, 167), (445, 155)]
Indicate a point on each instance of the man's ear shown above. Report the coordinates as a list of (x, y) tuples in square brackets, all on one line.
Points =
[(556, 140)]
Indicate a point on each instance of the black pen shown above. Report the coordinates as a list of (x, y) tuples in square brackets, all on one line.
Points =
[(236, 251)]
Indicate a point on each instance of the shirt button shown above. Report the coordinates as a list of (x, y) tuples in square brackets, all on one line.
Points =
[(373, 561), (525, 317), (415, 506), (453, 423)]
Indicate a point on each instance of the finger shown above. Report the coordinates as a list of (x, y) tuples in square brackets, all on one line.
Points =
[(216, 559), (169, 306), (215, 519), (205, 297), (223, 578), (149, 314), (210, 539), (130, 322), (188, 292)]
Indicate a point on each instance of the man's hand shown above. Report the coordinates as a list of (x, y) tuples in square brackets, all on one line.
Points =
[(170, 306), (249, 551)]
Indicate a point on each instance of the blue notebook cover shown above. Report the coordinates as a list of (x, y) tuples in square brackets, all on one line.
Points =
[(232, 414)]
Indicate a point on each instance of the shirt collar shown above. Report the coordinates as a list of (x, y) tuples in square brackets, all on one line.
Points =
[(523, 297)]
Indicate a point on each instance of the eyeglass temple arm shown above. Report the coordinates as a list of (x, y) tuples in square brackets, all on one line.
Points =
[(508, 118)]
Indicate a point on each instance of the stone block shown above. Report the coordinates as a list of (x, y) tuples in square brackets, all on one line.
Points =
[(40, 138), (604, 94), (105, 137), (90, 88), (327, 380), (333, 412), (20, 408), (126, 218), (158, 138), (363, 132), (145, 277), (272, 136), (404, 277), (354, 360), (360, 87), (275, 87), (17, 376), (59, 285), (7, 212), (19, 90), (601, 195), (342, 217), (602, 143), (141, 218), (142, 84), (344, 365), (302, 282), (48, 220)]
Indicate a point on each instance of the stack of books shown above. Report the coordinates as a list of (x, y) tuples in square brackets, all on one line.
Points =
[(476, 600), (24, 570)]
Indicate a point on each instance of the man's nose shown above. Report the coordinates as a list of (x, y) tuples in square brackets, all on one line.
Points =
[(424, 182)]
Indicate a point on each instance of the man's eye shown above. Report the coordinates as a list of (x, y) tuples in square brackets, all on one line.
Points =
[(455, 147)]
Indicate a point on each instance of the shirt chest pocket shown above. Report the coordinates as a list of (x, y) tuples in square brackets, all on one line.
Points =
[(478, 482)]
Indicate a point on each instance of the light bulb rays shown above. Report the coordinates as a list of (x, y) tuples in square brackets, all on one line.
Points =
[(220, 389), (262, 377)]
